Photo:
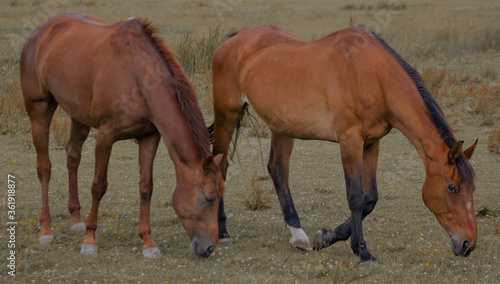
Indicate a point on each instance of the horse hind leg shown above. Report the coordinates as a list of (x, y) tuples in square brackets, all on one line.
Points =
[(278, 167), (40, 113), (79, 134)]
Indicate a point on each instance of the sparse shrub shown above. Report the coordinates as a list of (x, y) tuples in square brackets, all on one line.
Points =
[(433, 80), (484, 100), (494, 139), (444, 86), (196, 54), (382, 5), (489, 73), (322, 190), (13, 115), (391, 5), (88, 3), (202, 84), (256, 196)]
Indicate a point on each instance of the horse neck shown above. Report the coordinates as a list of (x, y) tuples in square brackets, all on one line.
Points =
[(410, 115), (174, 128)]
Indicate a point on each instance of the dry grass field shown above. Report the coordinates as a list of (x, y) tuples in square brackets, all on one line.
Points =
[(454, 44)]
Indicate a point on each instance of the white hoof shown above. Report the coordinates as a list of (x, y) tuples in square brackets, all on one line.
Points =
[(299, 239), (88, 249), (225, 242), (79, 228), (151, 252), (45, 240)]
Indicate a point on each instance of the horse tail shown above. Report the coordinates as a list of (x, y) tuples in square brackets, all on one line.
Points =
[(211, 133), (244, 110)]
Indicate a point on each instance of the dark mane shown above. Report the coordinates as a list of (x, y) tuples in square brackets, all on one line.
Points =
[(184, 90), (465, 170)]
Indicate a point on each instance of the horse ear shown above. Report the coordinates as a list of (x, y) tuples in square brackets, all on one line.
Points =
[(206, 164), (455, 152), (218, 159), (468, 153)]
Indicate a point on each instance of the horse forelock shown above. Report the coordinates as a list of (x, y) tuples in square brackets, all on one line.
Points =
[(464, 168), (183, 89)]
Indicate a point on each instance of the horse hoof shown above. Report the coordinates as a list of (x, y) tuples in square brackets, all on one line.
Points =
[(318, 240), (301, 244), (78, 227), (151, 252), (225, 242), (299, 239), (45, 240), (88, 249), (372, 262)]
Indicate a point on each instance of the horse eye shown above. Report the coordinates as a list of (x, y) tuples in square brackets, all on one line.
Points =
[(452, 189), (210, 199)]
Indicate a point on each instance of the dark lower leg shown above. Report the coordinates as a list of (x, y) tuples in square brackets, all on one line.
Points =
[(223, 234), (278, 167), (343, 232), (325, 237)]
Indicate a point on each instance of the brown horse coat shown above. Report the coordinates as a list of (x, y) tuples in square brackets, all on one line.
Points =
[(122, 80), (349, 87)]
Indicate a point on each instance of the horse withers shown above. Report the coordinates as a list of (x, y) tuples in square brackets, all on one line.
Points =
[(122, 80), (349, 87)]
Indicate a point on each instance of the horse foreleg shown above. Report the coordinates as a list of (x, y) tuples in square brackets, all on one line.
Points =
[(79, 134), (103, 147), (352, 152), (278, 166), (147, 152), (326, 237)]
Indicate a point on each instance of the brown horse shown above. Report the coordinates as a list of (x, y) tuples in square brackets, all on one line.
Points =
[(349, 87), (124, 81)]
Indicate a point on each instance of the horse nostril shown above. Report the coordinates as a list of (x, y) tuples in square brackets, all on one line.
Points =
[(466, 245)]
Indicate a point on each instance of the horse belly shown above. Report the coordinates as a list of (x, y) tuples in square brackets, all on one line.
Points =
[(293, 121)]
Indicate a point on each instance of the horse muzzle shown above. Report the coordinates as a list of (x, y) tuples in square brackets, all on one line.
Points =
[(462, 247), (202, 247)]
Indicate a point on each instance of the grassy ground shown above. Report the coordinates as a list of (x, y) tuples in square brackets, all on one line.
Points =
[(404, 236)]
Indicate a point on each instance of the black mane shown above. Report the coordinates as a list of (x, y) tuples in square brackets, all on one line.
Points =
[(465, 170)]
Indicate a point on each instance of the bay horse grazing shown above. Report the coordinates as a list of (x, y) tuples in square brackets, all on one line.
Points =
[(349, 87), (122, 80)]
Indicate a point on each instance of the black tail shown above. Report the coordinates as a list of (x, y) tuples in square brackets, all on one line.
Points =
[(211, 133)]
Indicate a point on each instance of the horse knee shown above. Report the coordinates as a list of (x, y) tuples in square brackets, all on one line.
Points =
[(73, 160), (44, 169), (370, 202), (146, 189), (99, 188)]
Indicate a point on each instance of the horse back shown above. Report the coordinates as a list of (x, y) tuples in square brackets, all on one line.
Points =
[(310, 90), (83, 65)]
